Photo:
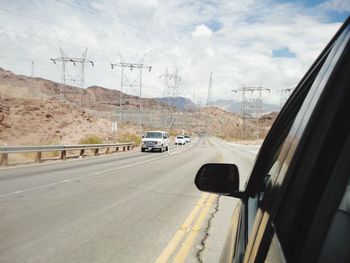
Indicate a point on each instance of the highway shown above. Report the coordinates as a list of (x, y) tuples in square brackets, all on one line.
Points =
[(127, 207)]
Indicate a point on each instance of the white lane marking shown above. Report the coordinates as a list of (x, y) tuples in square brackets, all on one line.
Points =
[(181, 149), (82, 177), (59, 162)]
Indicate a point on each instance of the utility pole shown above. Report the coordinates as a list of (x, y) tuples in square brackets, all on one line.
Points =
[(210, 87), (251, 107), (171, 89), (126, 84), (32, 70), (209, 100), (76, 62)]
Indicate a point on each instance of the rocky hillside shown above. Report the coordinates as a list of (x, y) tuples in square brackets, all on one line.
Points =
[(32, 112), (40, 111), (35, 121)]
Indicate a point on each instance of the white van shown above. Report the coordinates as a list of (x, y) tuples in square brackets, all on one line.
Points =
[(155, 140)]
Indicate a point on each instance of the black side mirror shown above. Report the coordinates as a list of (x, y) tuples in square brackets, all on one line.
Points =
[(219, 178), (143, 136)]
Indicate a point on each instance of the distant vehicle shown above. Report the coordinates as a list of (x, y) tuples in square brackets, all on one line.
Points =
[(201, 135), (187, 138), (295, 206), (155, 140), (180, 140)]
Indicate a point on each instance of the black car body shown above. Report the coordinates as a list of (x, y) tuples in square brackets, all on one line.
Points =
[(296, 204)]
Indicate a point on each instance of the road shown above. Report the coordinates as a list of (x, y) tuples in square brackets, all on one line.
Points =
[(128, 207)]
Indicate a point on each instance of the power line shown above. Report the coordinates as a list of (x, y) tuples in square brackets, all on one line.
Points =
[(198, 48), (101, 54)]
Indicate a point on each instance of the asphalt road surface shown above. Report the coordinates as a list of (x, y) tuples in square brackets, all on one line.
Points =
[(128, 207)]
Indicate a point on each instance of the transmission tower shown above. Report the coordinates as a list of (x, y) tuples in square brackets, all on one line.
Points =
[(210, 87), (130, 86), (78, 63), (171, 90), (251, 106), (285, 93)]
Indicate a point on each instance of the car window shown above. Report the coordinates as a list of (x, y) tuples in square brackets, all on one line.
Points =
[(296, 135), (274, 180), (153, 135), (276, 136), (259, 180)]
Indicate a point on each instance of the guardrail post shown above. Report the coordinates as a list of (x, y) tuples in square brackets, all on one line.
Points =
[(107, 150), (63, 154), (123, 148), (96, 151), (82, 152), (4, 159), (38, 157), (128, 148)]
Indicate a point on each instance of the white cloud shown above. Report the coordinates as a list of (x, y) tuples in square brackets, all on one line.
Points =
[(202, 31), (337, 5), (174, 33)]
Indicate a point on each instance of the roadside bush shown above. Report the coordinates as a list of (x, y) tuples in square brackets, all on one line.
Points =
[(129, 137), (91, 139)]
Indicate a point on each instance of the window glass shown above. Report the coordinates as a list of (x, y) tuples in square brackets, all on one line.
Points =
[(153, 135)]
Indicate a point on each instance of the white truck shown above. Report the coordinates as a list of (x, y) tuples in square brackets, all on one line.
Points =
[(180, 140), (155, 140)]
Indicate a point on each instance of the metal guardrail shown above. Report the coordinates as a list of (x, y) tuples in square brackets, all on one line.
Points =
[(39, 149)]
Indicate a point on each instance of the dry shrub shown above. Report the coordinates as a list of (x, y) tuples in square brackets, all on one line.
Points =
[(91, 139), (129, 137)]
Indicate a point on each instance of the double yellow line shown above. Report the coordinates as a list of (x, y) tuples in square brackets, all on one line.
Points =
[(202, 208), (198, 215)]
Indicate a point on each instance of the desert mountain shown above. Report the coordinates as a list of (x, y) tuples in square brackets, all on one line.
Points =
[(235, 106), (180, 103)]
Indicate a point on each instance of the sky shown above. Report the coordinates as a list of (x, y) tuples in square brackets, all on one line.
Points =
[(243, 42)]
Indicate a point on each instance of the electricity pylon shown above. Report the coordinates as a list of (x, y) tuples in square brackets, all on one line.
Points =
[(76, 62), (170, 91), (251, 107), (126, 83)]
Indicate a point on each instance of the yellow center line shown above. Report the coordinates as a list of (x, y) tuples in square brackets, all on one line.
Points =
[(203, 206), (172, 245), (220, 158), (187, 245)]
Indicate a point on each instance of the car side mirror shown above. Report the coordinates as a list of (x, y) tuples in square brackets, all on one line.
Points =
[(143, 136), (219, 178)]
